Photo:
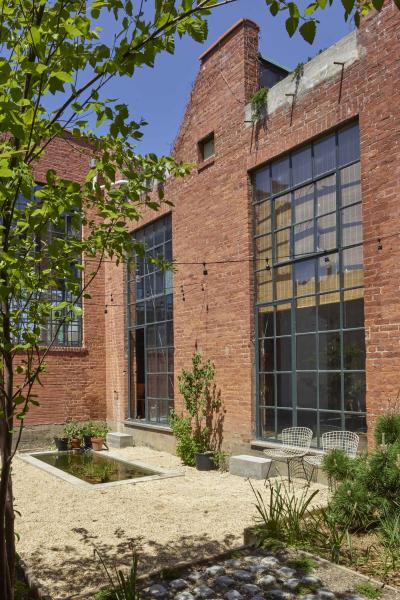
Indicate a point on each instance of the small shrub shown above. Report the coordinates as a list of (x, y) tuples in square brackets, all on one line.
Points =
[(326, 532), (306, 565), (389, 536), (221, 460), (354, 506), (122, 587), (368, 590), (337, 465), (387, 428), (105, 594), (305, 588)]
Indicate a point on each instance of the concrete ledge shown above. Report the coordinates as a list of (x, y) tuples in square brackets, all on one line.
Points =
[(253, 467), (116, 439)]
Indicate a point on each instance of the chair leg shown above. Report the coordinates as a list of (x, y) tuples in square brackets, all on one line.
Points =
[(288, 469), (269, 469)]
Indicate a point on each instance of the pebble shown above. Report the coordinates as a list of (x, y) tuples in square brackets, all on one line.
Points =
[(311, 580), (279, 595), (184, 596), (234, 563), (243, 575), (326, 595), (291, 584), (258, 568), (250, 588), (258, 598), (309, 597), (158, 591), (267, 580), (286, 572), (270, 561), (223, 581), (233, 595), (194, 576), (203, 591), (215, 570), (178, 584)]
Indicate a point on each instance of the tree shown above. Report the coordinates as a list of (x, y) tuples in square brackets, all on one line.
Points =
[(53, 49), (52, 54)]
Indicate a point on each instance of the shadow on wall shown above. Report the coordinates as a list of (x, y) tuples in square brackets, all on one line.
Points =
[(80, 576)]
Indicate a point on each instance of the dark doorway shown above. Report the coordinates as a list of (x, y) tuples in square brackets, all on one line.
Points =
[(140, 374)]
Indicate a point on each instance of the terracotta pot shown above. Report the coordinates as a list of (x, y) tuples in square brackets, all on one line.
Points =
[(97, 443), (75, 443)]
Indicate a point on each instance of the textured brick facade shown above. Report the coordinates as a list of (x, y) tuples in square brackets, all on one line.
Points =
[(212, 222)]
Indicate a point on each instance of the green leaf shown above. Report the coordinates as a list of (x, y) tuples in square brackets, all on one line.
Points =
[(377, 4), (62, 76), (308, 31), (348, 5), (6, 172), (291, 25)]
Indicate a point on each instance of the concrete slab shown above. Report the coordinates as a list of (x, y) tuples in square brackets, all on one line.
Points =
[(254, 467), (116, 439)]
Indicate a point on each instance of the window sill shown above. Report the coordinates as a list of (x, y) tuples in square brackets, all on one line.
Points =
[(62, 349), (263, 445), (205, 164), (150, 426)]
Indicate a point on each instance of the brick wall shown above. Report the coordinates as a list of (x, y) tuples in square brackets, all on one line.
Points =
[(212, 218)]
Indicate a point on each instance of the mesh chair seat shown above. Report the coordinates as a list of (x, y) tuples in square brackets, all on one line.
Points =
[(296, 442), (314, 459), (285, 452)]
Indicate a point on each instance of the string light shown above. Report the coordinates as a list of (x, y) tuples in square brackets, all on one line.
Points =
[(380, 247), (205, 272)]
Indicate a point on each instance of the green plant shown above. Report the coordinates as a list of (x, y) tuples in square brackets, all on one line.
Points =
[(283, 518), (87, 428), (306, 565), (99, 430), (389, 536), (198, 430), (105, 594), (337, 465), (305, 588), (100, 472), (258, 103), (73, 430), (326, 532), (221, 460), (368, 590), (387, 428), (122, 587)]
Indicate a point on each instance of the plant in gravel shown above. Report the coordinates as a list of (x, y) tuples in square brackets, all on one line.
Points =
[(305, 588), (283, 517), (368, 590), (389, 537), (337, 465), (122, 587), (200, 429), (304, 564), (325, 534), (221, 460)]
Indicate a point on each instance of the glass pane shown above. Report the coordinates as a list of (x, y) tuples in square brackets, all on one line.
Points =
[(353, 308), (326, 195), (282, 244), (151, 386), (265, 321), (355, 423), (150, 311), (283, 279), (168, 227), (171, 389), (306, 315), (328, 271), (353, 274), (267, 422), (161, 335), (324, 155), (168, 307), (159, 282), (140, 313), (283, 319), (350, 182), (284, 389), (266, 355), (354, 392), (283, 211), (284, 420), (304, 238), (301, 166), (262, 184), (306, 352), (170, 360), (168, 251), (304, 277), (329, 312), (263, 217), (329, 422), (263, 251), (326, 232), (280, 175), (354, 349), (304, 203), (351, 225), (284, 354), (266, 389), (159, 304), (308, 418), (169, 334), (329, 351), (150, 336), (263, 286), (307, 390), (330, 391), (349, 144)]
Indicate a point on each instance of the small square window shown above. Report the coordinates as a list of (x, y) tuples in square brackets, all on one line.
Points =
[(207, 147)]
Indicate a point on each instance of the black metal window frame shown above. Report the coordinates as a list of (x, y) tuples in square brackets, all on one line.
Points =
[(268, 266), (150, 293), (69, 333)]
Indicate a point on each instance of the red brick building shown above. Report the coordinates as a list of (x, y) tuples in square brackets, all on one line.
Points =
[(285, 239)]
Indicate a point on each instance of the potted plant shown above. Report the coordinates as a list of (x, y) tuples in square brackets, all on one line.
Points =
[(73, 431), (198, 432), (99, 432), (87, 429), (61, 443)]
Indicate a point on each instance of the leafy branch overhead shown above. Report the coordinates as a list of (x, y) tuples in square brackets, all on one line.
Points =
[(305, 20)]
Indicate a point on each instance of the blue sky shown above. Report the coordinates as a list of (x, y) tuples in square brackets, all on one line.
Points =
[(160, 95)]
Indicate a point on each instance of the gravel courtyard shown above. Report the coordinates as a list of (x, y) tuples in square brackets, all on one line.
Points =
[(171, 520)]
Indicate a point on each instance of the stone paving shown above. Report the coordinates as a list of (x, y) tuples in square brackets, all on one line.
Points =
[(256, 576)]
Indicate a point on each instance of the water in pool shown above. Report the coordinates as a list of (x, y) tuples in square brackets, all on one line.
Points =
[(93, 468)]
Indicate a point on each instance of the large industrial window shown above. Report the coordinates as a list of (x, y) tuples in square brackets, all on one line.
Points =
[(151, 352), (309, 289)]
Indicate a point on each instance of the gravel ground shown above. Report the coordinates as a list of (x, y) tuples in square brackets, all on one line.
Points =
[(198, 515)]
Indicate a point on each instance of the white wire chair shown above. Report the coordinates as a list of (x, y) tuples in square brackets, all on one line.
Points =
[(296, 442), (334, 440)]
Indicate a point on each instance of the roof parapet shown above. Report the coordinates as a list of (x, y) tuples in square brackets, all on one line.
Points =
[(243, 21)]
